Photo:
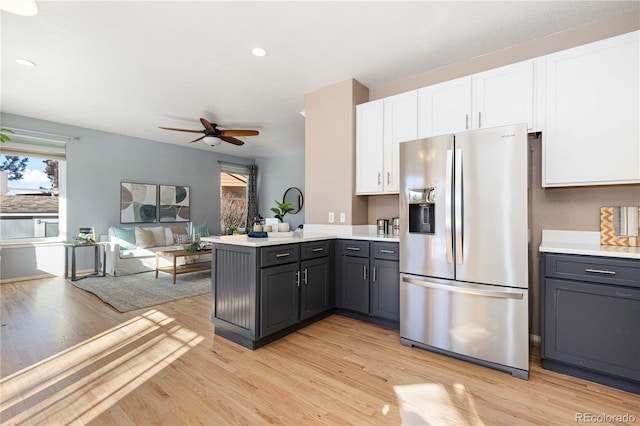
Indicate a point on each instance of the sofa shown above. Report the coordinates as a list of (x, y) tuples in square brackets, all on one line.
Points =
[(133, 250)]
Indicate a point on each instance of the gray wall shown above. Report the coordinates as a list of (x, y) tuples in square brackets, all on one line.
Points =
[(275, 176), (96, 165)]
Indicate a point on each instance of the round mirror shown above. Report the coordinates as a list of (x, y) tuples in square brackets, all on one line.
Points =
[(293, 195)]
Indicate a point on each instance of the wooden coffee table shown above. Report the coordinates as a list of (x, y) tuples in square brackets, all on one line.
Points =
[(181, 269)]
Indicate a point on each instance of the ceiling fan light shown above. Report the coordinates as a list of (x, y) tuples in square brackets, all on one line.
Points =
[(212, 140)]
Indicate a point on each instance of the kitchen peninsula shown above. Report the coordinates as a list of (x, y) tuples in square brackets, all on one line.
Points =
[(266, 288)]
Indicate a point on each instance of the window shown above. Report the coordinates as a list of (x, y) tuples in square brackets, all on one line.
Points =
[(32, 188), (233, 196)]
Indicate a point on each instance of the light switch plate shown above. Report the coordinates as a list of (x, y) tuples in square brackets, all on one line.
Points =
[(331, 217), (343, 218)]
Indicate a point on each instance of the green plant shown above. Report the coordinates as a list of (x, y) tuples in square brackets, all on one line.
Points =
[(3, 134), (282, 209), (194, 247), (83, 238)]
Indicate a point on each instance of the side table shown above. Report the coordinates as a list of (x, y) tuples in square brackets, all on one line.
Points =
[(97, 247)]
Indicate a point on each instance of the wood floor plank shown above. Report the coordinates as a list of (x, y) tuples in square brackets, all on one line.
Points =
[(68, 358)]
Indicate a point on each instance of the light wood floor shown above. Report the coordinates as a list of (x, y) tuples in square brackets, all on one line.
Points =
[(67, 358)]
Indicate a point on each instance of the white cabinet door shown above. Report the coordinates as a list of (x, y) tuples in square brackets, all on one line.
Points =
[(504, 96), (592, 122), (369, 147), (400, 124), (444, 108)]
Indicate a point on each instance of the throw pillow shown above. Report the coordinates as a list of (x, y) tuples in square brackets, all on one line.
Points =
[(179, 230), (144, 238), (202, 229), (158, 235), (125, 237)]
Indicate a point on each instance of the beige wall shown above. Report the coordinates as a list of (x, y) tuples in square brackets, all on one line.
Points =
[(558, 208), (330, 153), (576, 208)]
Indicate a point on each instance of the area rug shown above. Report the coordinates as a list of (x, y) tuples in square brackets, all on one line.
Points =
[(131, 292)]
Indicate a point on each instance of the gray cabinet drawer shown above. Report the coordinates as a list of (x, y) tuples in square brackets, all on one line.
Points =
[(279, 255), (355, 248), (386, 251), (595, 269), (314, 249)]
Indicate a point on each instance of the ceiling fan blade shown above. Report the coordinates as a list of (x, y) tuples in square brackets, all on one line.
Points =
[(236, 132), (207, 125), (196, 140), (231, 140), (181, 130)]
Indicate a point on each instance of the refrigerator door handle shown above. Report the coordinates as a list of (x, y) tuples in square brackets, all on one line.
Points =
[(465, 290), (447, 205), (458, 206)]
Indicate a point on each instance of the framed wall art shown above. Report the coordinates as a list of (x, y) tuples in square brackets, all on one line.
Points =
[(174, 203), (138, 203)]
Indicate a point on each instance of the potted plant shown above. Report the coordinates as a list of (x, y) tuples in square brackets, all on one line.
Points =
[(281, 210)]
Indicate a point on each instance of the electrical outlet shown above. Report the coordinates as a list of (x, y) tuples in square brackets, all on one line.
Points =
[(331, 217), (343, 218)]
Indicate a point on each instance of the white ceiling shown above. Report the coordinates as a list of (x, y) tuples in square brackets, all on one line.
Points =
[(129, 67)]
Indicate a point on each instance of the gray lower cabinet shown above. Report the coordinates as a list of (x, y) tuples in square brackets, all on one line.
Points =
[(279, 298), (355, 288), (385, 289), (369, 281), (260, 294), (591, 318)]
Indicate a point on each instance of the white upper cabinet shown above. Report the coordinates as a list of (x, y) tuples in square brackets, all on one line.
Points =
[(381, 126), (592, 114), (492, 98), (444, 108), (369, 147), (400, 124), (504, 96)]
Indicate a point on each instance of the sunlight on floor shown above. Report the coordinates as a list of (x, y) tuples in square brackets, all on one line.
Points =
[(434, 404), (76, 385)]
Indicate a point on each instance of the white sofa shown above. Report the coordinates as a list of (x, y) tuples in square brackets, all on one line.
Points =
[(127, 255)]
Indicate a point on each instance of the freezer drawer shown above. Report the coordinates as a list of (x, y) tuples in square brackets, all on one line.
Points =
[(482, 322)]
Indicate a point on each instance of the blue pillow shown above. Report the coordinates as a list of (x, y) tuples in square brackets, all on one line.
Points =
[(202, 229), (126, 237)]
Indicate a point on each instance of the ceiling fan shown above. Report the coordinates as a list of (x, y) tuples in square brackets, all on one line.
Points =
[(213, 136)]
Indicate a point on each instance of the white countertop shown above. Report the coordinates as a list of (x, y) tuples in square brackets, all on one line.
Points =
[(314, 234), (583, 242)]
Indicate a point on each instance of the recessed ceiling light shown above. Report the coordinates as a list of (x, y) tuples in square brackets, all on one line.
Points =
[(25, 62), (259, 51)]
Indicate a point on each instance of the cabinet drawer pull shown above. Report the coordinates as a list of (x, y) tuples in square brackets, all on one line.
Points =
[(379, 177), (388, 178), (387, 251), (353, 248), (283, 254), (624, 294), (600, 271), (317, 249)]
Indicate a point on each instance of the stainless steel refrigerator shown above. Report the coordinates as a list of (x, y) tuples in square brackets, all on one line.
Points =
[(464, 246)]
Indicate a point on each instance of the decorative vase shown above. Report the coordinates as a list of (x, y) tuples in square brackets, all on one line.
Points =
[(283, 227)]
